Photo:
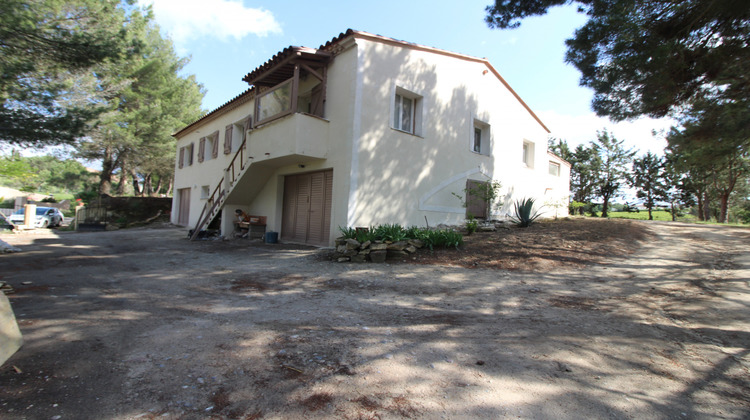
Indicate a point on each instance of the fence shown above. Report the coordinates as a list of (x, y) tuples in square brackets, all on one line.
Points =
[(91, 218)]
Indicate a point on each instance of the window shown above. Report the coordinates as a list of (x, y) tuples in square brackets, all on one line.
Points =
[(407, 112), (181, 160), (480, 140), (403, 117), (205, 191), (209, 147), (554, 168), (274, 103), (189, 152), (528, 154)]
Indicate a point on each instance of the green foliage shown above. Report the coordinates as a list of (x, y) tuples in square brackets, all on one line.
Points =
[(652, 58), (442, 238), (585, 163), (43, 43), (432, 238), (560, 148), (663, 215), (524, 214), (576, 207), (471, 226), (712, 152), (47, 174), (649, 180), (613, 170), (146, 100)]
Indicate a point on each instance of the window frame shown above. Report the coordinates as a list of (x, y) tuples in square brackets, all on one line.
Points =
[(554, 164), (290, 106), (415, 113), (528, 154), (189, 151), (484, 138)]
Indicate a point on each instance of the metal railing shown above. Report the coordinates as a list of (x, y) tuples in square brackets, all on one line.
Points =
[(222, 190)]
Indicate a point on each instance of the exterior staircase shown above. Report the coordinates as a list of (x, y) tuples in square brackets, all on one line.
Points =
[(226, 184)]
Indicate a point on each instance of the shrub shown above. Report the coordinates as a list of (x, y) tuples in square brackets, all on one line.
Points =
[(525, 214), (442, 238), (471, 226)]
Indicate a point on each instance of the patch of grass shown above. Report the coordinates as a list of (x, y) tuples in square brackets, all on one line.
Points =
[(643, 215)]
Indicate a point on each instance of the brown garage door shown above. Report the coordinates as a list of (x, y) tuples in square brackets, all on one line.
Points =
[(307, 208)]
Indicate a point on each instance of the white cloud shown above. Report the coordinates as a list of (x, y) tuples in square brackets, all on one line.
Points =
[(581, 129), (187, 20)]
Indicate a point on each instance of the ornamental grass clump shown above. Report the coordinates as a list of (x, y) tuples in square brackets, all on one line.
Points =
[(525, 214)]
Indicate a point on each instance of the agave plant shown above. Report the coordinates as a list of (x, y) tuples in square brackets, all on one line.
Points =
[(525, 213)]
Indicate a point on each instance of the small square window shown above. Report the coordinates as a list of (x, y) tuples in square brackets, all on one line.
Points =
[(407, 112), (554, 168), (480, 139), (205, 191)]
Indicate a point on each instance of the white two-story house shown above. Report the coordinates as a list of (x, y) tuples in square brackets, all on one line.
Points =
[(361, 131)]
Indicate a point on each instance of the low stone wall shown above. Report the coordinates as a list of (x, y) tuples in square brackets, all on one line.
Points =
[(377, 251)]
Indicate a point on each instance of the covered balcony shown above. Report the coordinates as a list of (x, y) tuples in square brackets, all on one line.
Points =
[(293, 81)]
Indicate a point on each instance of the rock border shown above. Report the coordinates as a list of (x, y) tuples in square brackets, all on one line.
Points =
[(351, 250)]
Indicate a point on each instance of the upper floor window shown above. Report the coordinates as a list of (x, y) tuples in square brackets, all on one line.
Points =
[(274, 103), (528, 154), (189, 154), (407, 112), (480, 140), (554, 168)]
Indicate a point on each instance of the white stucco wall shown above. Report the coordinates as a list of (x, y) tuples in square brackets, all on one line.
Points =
[(209, 172), (403, 178), (384, 175)]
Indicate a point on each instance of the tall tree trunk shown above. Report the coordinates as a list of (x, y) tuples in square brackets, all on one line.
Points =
[(605, 205), (724, 206), (169, 187), (157, 188), (137, 190), (105, 177), (147, 189), (122, 184), (700, 207), (706, 207)]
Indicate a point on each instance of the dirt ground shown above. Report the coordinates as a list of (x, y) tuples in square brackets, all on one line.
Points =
[(566, 320)]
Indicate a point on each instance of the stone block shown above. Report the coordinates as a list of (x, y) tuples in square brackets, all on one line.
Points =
[(416, 243), (378, 256), (378, 246), (397, 246)]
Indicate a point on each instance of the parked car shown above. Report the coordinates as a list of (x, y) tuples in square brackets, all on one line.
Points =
[(45, 217)]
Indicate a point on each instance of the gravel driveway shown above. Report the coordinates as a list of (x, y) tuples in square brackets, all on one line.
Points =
[(144, 324)]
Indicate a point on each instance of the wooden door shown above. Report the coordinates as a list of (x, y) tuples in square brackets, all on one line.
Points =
[(306, 215), (183, 215), (476, 200)]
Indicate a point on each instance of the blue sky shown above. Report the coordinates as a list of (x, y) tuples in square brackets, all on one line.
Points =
[(226, 39)]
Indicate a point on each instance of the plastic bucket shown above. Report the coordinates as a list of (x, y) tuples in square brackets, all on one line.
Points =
[(272, 237)]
